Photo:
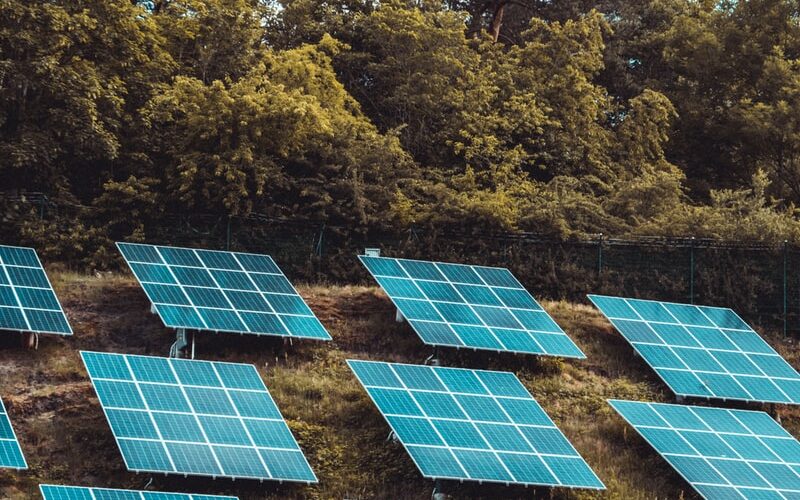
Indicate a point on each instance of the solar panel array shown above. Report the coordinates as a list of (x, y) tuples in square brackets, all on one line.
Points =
[(702, 351), (55, 492), (195, 418), (10, 451), (721, 453), (221, 291), (473, 425), (27, 300), (469, 307)]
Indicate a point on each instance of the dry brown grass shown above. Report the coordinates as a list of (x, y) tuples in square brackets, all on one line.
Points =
[(66, 439)]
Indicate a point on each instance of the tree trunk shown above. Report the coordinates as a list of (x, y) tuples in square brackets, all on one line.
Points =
[(497, 18)]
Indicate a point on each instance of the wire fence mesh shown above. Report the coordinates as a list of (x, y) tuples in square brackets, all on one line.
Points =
[(760, 281)]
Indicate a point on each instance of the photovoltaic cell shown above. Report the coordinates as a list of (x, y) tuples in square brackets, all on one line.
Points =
[(194, 417), (722, 453), (702, 351), (473, 425), (27, 300), (10, 451), (471, 307), (57, 492), (221, 291)]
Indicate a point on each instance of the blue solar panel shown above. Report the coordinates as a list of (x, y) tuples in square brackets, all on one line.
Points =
[(702, 351), (57, 492), (10, 451), (221, 291), (721, 453), (469, 307), (473, 425), (27, 300), (195, 418)]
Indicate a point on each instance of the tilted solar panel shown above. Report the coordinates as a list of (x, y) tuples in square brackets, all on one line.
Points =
[(721, 453), (473, 425), (192, 417), (27, 300), (58, 492), (472, 307), (10, 451), (702, 351), (221, 291)]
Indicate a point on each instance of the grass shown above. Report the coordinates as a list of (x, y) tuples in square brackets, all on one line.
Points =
[(66, 439)]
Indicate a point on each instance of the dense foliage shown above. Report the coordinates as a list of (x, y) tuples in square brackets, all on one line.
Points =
[(658, 117)]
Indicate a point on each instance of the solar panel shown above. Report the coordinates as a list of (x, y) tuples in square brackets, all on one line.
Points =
[(221, 291), (180, 416), (473, 307), (473, 425), (701, 351), (56, 492), (27, 300), (721, 453), (10, 451)]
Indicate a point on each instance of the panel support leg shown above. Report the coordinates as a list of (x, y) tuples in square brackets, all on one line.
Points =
[(433, 359), (398, 316), (30, 340), (438, 491), (183, 339)]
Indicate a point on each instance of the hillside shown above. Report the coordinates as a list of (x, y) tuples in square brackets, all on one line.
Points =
[(66, 439)]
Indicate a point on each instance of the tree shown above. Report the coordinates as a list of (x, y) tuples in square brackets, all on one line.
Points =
[(285, 139), (294, 22), (68, 71), (213, 39), (720, 56)]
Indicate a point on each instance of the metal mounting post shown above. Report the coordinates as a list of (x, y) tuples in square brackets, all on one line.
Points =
[(31, 340), (398, 316), (438, 491), (183, 340), (433, 359)]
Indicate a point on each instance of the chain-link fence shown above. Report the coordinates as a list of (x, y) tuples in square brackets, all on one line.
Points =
[(760, 281)]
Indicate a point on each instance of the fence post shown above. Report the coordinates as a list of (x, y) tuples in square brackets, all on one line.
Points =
[(318, 248), (600, 254), (228, 235), (691, 271), (785, 286)]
